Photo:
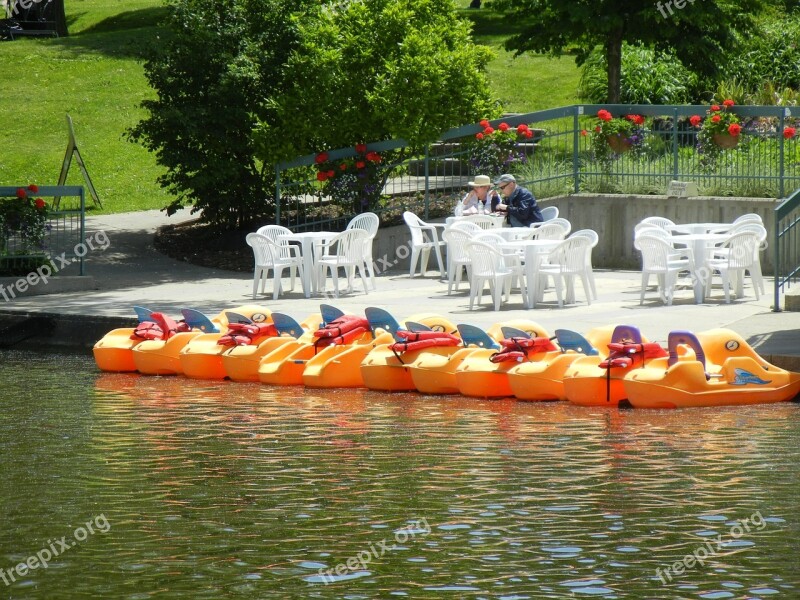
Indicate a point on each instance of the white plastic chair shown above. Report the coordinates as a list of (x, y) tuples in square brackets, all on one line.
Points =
[(549, 212), (593, 238), (485, 222), (659, 258), (268, 256), (564, 264), (369, 222), (424, 238), (274, 233), (471, 228), (738, 256), (662, 222), (553, 229), (488, 266), (343, 251), (458, 258)]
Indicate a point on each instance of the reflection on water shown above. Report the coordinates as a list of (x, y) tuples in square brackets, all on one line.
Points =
[(216, 489)]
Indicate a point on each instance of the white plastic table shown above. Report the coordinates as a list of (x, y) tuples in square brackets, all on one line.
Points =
[(497, 220), (533, 251), (308, 241), (700, 244)]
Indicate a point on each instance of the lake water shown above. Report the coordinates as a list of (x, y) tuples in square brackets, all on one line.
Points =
[(155, 487)]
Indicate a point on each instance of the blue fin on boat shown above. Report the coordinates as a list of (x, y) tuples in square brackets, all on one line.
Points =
[(513, 332), (237, 318), (380, 318), (142, 313), (286, 325), (687, 338), (329, 313), (626, 333), (572, 340), (414, 326), (197, 320), (475, 336)]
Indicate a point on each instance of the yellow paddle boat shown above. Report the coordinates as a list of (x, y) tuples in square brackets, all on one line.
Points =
[(484, 372), (241, 363), (161, 355), (383, 369), (114, 351), (542, 377), (714, 368), (598, 380), (201, 357)]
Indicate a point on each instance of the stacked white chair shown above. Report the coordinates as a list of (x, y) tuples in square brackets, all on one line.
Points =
[(369, 222), (458, 258), (554, 229), (485, 222), (739, 255), (593, 238), (424, 238), (269, 255), (565, 263), (471, 228), (489, 266), (549, 212), (659, 258), (343, 251)]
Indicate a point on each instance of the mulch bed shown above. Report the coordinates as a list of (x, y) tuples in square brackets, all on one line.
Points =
[(205, 246)]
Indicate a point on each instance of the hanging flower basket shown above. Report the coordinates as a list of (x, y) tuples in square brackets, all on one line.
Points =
[(618, 143), (726, 140)]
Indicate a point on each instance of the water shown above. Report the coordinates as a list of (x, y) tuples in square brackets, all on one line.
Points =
[(171, 488)]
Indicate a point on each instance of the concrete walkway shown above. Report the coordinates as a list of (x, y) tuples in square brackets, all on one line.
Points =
[(131, 272)]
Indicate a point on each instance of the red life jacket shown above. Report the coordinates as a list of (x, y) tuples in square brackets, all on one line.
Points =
[(344, 330), (518, 348), (419, 340), (247, 334), (161, 327), (626, 354)]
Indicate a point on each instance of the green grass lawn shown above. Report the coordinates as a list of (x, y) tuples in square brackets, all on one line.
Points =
[(96, 75)]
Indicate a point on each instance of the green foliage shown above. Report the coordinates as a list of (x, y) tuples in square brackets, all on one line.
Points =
[(612, 136), (355, 183), (23, 219), (649, 76), (770, 54)]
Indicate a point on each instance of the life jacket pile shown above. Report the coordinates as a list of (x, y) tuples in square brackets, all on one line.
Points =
[(518, 348), (160, 327), (340, 331), (419, 340), (247, 334), (628, 354)]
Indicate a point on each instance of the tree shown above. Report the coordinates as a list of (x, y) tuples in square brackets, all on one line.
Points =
[(701, 34)]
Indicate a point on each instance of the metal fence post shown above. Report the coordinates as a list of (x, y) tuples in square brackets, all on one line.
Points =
[(427, 181), (781, 171), (277, 195), (675, 158), (576, 179)]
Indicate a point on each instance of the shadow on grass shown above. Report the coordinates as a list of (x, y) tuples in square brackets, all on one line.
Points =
[(128, 34)]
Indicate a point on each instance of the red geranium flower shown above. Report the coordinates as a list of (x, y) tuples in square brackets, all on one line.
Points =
[(331, 173), (361, 148), (715, 118), (322, 176), (695, 120), (33, 188), (598, 129), (488, 131), (604, 115), (373, 157), (484, 123), (321, 158), (789, 132), (503, 126), (728, 103), (39, 203), (479, 136), (360, 164), (584, 133), (21, 193), (522, 128), (528, 133), (715, 107), (734, 129), (343, 166), (636, 119)]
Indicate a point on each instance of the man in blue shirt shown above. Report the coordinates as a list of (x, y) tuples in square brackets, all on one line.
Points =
[(518, 202)]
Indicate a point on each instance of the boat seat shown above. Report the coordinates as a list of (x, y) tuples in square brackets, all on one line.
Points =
[(142, 313), (743, 370), (414, 326), (687, 338), (513, 332), (381, 319), (572, 340), (286, 325), (329, 313), (626, 333), (475, 336), (233, 317), (197, 320)]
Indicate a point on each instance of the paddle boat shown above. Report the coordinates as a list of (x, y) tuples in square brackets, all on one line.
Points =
[(385, 368), (713, 368), (201, 357), (433, 370), (114, 351), (484, 372), (241, 362), (598, 380), (160, 355)]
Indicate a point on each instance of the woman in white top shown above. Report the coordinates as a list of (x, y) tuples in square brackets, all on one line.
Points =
[(479, 199)]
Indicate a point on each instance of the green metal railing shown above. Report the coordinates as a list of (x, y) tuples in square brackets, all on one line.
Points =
[(787, 252), (561, 162), (65, 231)]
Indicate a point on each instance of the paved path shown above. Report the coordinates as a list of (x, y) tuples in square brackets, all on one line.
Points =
[(130, 272)]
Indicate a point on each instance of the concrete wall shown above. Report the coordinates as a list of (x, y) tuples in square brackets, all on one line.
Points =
[(613, 217)]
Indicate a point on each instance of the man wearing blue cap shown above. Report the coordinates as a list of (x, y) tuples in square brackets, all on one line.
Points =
[(518, 202)]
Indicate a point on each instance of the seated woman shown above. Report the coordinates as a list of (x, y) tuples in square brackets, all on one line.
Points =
[(479, 199)]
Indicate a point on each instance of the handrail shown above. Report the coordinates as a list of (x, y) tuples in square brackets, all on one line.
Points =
[(786, 244)]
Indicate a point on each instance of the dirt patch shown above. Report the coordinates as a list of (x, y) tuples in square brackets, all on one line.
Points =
[(205, 246)]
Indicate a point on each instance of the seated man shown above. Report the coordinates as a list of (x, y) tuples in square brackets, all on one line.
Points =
[(518, 202)]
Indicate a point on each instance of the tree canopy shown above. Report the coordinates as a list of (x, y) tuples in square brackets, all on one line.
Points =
[(701, 34)]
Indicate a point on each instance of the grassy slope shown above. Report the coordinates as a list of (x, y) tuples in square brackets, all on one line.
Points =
[(96, 76)]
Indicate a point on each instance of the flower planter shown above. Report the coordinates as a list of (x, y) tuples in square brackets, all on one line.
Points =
[(726, 140), (618, 143)]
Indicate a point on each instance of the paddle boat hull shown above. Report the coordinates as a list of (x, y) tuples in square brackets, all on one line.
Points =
[(162, 357), (722, 370), (285, 364), (114, 351), (340, 366)]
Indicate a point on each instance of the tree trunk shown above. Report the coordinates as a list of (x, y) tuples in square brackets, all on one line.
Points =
[(614, 65), (60, 17)]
